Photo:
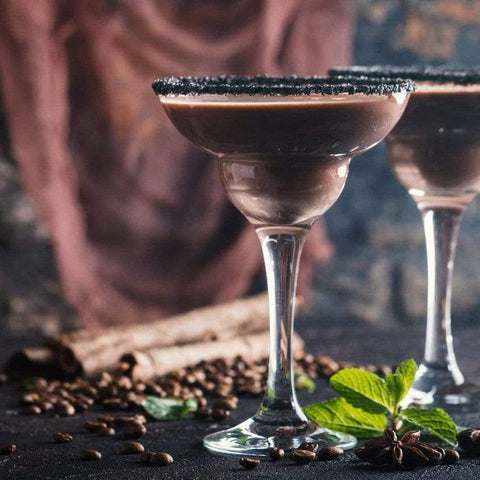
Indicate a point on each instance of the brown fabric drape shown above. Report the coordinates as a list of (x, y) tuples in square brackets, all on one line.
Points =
[(138, 219)]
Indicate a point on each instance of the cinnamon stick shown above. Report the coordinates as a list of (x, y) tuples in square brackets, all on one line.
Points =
[(88, 352), (159, 361), (91, 351)]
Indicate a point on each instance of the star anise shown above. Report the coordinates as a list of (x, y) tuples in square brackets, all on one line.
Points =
[(404, 452), (469, 440)]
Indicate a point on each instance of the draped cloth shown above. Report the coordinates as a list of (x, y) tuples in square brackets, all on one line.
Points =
[(137, 217)]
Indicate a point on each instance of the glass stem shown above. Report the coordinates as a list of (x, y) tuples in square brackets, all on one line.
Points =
[(441, 230), (281, 248)]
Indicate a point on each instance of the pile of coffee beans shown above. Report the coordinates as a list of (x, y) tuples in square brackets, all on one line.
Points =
[(220, 380)]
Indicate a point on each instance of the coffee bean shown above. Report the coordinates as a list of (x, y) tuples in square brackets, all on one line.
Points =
[(46, 406), (122, 421), (3, 378), (329, 453), (34, 410), (8, 449), (60, 437), (249, 463), (107, 419), (106, 432), (302, 457), (160, 458), (90, 454), (65, 409), (134, 430), (220, 413), (312, 446), (95, 427), (277, 453), (203, 412), (225, 404), (30, 398), (451, 456), (131, 447), (145, 456)]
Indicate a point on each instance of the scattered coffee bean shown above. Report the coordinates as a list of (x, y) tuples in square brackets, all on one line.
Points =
[(60, 437), (249, 463), (227, 403), (302, 457), (160, 458), (8, 449), (34, 410), (451, 456), (107, 419), (312, 446), (90, 454), (3, 378), (145, 456), (220, 413), (107, 432), (133, 430), (203, 412), (122, 421), (329, 453), (277, 453), (131, 447), (95, 427), (65, 409), (30, 398)]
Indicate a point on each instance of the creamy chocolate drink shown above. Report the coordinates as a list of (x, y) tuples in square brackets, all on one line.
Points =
[(285, 161), (283, 146), (434, 151)]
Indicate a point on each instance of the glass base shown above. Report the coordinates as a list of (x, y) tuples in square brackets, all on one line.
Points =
[(435, 387), (254, 438)]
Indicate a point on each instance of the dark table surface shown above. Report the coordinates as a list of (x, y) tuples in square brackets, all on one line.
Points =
[(38, 457)]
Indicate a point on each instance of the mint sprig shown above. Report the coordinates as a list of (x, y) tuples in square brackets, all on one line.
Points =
[(368, 403), (166, 409)]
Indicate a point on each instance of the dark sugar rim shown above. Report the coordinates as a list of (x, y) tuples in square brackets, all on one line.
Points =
[(277, 86), (439, 74)]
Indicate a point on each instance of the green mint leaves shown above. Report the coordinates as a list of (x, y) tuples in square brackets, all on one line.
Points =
[(168, 408), (362, 389), (367, 401), (303, 382), (340, 415)]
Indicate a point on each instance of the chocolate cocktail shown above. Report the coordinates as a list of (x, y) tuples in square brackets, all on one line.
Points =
[(283, 147), (434, 151)]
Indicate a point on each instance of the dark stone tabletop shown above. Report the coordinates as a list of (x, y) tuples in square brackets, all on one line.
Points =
[(39, 457)]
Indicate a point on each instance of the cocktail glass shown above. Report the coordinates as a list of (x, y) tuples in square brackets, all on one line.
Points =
[(283, 147), (434, 151)]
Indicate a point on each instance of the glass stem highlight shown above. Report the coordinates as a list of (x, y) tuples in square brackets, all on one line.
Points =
[(281, 248), (441, 231)]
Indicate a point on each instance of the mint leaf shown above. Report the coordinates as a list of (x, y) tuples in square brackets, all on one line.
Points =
[(400, 382), (338, 414), (168, 408), (362, 389), (303, 382), (435, 420)]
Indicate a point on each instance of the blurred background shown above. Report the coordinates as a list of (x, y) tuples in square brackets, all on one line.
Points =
[(377, 273)]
